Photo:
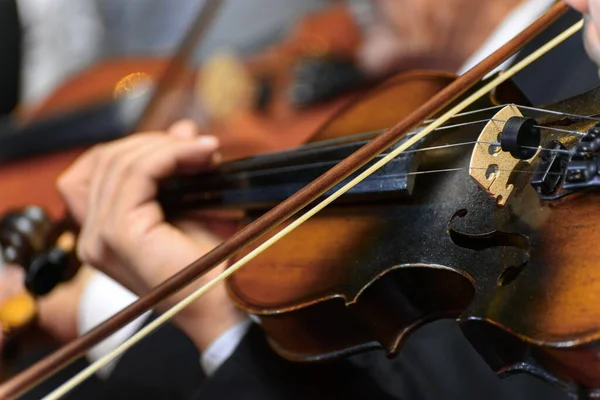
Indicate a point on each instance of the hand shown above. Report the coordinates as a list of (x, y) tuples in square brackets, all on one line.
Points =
[(111, 189), (17, 309), (55, 313), (591, 33)]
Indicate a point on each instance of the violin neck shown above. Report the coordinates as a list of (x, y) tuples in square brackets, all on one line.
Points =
[(259, 182)]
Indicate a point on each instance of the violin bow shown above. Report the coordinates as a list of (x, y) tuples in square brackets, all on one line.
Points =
[(158, 112), (286, 209)]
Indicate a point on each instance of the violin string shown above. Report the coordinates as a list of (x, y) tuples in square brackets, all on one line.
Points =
[(458, 169), (569, 131), (559, 113), (168, 314), (466, 113), (349, 141), (547, 150), (268, 171), (246, 164), (369, 134), (278, 170), (251, 162), (550, 128), (325, 164)]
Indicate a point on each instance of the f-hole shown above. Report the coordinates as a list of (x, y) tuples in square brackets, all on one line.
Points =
[(482, 241)]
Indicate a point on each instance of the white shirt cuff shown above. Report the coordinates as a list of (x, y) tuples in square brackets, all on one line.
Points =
[(220, 350), (101, 299)]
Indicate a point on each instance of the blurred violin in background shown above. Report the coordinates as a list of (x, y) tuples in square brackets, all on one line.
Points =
[(270, 100)]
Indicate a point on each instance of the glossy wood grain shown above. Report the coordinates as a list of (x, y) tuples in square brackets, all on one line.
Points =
[(363, 277)]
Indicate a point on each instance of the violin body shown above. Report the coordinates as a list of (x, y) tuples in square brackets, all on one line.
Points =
[(343, 277), (365, 273)]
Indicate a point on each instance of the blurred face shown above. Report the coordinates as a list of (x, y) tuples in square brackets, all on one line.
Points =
[(429, 33), (581, 5)]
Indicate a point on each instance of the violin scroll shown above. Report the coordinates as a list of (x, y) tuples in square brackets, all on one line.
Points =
[(23, 233), (29, 238)]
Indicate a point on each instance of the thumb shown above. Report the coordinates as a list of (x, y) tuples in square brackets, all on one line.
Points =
[(202, 154), (169, 157), (580, 5), (380, 53), (185, 128)]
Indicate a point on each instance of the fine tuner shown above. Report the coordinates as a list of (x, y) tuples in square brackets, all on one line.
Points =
[(559, 172)]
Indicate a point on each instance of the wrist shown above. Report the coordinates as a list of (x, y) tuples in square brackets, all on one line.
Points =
[(223, 347), (58, 311), (205, 323)]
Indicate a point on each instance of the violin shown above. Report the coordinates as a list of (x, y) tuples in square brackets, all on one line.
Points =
[(466, 218)]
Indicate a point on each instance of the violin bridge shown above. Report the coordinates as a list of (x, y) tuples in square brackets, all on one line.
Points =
[(491, 167)]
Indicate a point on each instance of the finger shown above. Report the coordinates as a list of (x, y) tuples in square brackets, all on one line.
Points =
[(129, 182), (380, 53), (143, 170), (592, 42), (139, 178), (594, 15), (73, 183), (580, 5), (90, 248), (149, 161), (592, 29), (193, 166), (12, 280), (99, 194), (184, 129), (109, 184)]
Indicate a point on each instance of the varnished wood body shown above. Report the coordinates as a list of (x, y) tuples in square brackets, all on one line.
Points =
[(360, 277)]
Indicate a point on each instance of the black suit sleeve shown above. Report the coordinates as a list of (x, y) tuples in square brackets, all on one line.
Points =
[(255, 372), (164, 366)]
